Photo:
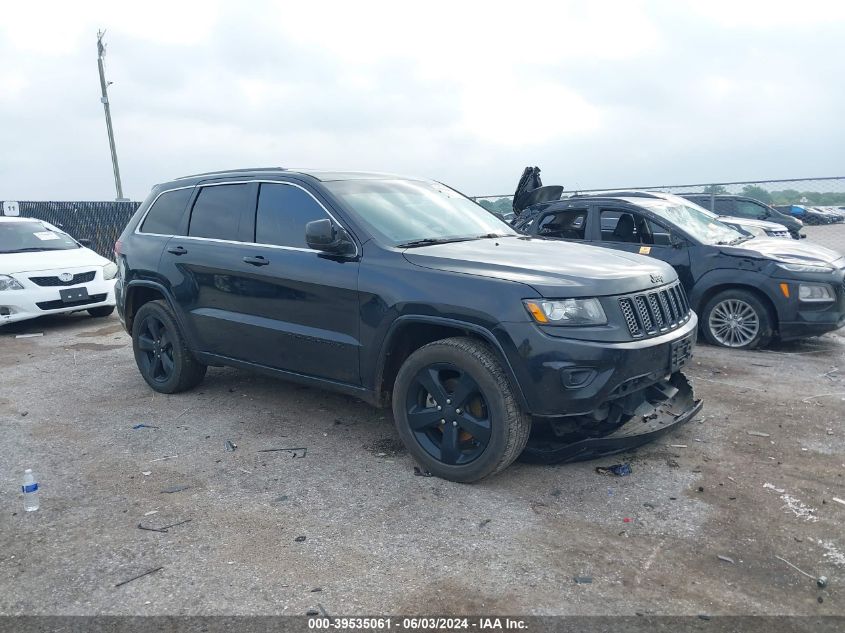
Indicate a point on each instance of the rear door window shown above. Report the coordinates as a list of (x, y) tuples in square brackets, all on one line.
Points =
[(569, 224), (631, 227), (282, 213), (747, 209), (165, 216), (218, 210), (723, 206)]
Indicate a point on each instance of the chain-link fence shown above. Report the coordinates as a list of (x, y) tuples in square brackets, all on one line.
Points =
[(818, 202), (100, 222)]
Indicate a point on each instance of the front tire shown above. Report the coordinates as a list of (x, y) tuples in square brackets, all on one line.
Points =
[(456, 412), (161, 353), (102, 311), (737, 319)]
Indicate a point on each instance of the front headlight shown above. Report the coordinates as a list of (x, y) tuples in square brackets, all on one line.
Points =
[(9, 283), (817, 293), (566, 311), (109, 271), (806, 268)]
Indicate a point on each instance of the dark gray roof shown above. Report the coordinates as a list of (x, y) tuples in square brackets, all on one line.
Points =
[(324, 175)]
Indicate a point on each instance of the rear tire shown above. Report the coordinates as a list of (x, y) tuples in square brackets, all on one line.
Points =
[(456, 411), (161, 353), (736, 319), (102, 311)]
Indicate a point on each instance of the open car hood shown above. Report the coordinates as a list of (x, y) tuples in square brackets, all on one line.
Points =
[(530, 190)]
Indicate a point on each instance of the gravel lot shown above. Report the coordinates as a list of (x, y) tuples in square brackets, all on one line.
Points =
[(751, 479)]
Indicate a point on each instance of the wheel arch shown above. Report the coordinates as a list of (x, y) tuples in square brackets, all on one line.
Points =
[(711, 291), (140, 292), (408, 333)]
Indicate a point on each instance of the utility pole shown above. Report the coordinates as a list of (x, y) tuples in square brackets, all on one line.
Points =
[(104, 87)]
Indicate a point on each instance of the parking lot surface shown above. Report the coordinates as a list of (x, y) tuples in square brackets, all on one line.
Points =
[(345, 524)]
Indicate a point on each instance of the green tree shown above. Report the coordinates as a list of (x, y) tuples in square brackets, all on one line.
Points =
[(717, 189), (758, 193)]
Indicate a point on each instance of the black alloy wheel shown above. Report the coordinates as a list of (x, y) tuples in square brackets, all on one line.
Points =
[(448, 414), (456, 411), (161, 352), (157, 350)]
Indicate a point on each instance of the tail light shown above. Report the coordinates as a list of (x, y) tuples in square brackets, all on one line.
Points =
[(118, 248)]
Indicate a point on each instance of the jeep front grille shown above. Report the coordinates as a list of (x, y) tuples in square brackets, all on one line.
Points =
[(650, 313)]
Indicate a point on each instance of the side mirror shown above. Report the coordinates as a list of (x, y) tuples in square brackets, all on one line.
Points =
[(85, 243), (675, 241), (326, 236)]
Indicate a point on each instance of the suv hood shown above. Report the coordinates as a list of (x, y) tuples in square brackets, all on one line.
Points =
[(49, 260), (790, 251), (552, 268)]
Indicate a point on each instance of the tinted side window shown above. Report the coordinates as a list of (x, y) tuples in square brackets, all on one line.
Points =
[(724, 206), (217, 212), (283, 211), (165, 216), (749, 209), (570, 224)]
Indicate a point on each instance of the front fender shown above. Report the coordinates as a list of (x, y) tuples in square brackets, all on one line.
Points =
[(748, 279), (474, 328)]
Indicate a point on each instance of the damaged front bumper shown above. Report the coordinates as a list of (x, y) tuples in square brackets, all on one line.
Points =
[(632, 421)]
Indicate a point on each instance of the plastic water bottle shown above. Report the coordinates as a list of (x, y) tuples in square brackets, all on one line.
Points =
[(30, 491)]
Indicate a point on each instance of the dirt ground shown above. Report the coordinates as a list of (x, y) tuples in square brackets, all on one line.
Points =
[(349, 527)]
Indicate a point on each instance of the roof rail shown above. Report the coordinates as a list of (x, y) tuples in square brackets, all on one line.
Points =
[(617, 193), (231, 171)]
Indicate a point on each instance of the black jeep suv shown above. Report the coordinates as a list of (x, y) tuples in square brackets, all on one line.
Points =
[(402, 290)]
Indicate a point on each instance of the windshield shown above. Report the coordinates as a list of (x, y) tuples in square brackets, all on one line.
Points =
[(695, 221), (23, 237), (401, 212)]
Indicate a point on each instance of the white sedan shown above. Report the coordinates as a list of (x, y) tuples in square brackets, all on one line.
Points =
[(43, 270)]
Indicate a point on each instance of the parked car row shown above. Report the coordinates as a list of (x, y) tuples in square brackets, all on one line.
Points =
[(747, 209), (813, 215)]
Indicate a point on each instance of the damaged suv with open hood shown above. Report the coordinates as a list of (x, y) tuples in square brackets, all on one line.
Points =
[(746, 290), (488, 344)]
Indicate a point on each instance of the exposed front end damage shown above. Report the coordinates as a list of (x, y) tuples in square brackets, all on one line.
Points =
[(621, 424)]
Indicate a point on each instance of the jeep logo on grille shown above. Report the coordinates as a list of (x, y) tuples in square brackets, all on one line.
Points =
[(66, 277), (656, 279)]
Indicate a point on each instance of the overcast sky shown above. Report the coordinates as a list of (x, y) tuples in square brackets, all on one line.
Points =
[(596, 94)]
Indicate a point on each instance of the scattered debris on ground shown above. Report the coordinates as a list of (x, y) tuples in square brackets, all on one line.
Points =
[(146, 573), (163, 528), (295, 452), (619, 470), (177, 488)]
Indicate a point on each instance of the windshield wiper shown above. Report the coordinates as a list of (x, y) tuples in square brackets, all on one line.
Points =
[(735, 241), (490, 235), (428, 241)]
